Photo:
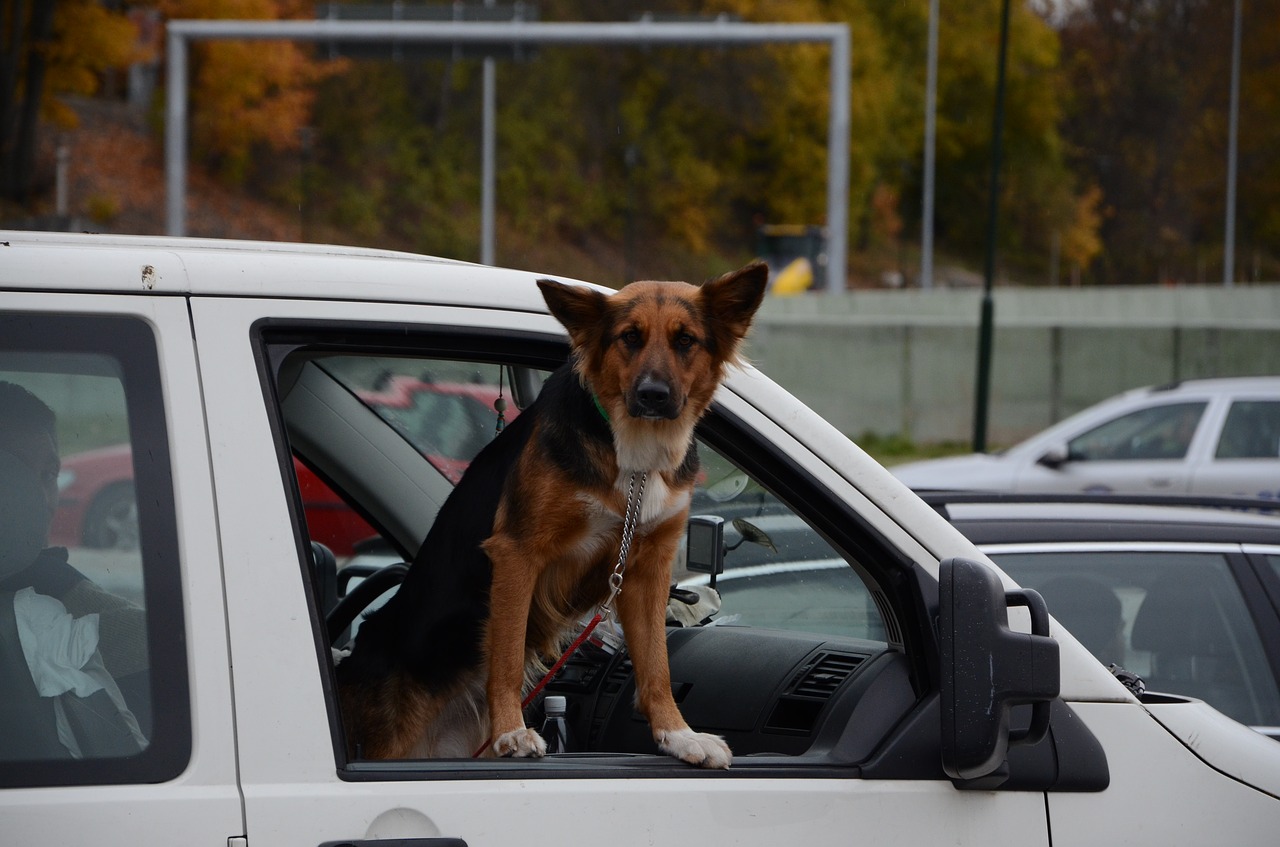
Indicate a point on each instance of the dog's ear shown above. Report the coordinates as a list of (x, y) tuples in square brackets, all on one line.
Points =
[(580, 309), (731, 301)]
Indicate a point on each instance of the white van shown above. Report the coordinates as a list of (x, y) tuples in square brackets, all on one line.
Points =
[(180, 690)]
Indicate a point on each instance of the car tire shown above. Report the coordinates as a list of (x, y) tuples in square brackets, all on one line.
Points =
[(111, 522)]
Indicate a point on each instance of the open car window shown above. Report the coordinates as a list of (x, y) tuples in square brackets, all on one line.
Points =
[(775, 668), (779, 573)]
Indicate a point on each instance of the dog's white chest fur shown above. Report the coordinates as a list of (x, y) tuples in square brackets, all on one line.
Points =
[(658, 503)]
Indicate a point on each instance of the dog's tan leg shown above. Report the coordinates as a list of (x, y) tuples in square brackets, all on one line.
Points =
[(642, 607), (514, 576)]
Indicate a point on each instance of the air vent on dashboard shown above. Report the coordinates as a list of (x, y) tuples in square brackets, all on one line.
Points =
[(826, 675), (797, 710)]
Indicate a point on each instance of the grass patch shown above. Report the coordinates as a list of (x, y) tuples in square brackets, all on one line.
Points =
[(897, 449)]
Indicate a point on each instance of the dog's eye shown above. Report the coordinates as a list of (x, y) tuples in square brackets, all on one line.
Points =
[(684, 341), (632, 337)]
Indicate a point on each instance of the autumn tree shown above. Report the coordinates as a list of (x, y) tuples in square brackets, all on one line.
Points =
[(1149, 125), (50, 48), (248, 94)]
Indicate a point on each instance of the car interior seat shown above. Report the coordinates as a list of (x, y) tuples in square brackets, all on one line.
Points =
[(1091, 611), (1193, 651)]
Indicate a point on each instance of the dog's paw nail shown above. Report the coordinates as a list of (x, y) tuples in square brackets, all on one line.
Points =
[(696, 748), (520, 744)]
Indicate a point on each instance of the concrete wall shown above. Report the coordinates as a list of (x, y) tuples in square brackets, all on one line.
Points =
[(904, 362)]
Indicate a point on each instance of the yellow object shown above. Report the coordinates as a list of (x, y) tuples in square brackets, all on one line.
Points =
[(795, 278)]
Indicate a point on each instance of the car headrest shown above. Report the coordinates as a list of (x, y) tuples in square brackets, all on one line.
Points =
[(1178, 616), (24, 515), (1089, 609)]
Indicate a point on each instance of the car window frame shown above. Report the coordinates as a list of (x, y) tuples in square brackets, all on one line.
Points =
[(837, 522), (132, 342)]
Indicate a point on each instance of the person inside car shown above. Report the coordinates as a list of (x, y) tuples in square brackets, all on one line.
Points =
[(68, 648)]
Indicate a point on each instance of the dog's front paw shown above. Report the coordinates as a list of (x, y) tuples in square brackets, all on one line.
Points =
[(696, 748), (520, 744)]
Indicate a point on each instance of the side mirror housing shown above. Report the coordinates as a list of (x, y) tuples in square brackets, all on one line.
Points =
[(987, 669), (1055, 457)]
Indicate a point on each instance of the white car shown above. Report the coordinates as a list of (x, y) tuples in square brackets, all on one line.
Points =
[(1202, 436), (204, 712)]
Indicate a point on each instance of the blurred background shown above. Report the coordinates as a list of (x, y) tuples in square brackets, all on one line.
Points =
[(1118, 257)]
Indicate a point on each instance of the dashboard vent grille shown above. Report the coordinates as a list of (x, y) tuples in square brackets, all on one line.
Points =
[(826, 675)]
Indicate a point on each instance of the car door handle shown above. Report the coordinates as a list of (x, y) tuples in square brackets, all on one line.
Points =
[(397, 842)]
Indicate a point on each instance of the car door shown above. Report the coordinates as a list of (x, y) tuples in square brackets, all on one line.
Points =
[(1243, 455), (114, 696), (299, 785)]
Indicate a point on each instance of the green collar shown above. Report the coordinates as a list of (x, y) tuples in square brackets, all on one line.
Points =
[(600, 407)]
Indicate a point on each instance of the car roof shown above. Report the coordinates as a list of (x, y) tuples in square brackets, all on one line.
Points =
[(1002, 519), (1211, 385), (196, 266)]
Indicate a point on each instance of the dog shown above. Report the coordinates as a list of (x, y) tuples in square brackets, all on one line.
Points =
[(526, 544)]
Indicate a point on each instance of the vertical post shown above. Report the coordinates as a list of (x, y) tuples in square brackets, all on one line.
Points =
[(986, 319), (1229, 236), (488, 166), (175, 133), (61, 202), (838, 164), (930, 131)]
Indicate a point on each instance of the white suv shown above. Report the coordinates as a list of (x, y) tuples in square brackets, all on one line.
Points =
[(1202, 436), (183, 692)]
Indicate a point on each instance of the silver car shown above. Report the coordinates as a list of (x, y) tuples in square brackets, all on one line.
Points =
[(1206, 436)]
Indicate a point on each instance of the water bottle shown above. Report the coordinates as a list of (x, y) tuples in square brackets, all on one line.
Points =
[(555, 730)]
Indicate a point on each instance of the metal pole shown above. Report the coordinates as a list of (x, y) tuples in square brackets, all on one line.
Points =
[(838, 161), (175, 134), (528, 33), (1229, 236), (488, 157), (986, 319), (930, 130)]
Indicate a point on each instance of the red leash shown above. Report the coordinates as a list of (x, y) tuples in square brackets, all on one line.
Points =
[(537, 689)]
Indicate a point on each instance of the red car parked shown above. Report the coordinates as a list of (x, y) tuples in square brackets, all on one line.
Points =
[(97, 507)]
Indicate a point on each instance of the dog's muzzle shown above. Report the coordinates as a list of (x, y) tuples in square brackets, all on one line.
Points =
[(653, 398)]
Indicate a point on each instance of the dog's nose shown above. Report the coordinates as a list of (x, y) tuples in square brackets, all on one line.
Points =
[(653, 396)]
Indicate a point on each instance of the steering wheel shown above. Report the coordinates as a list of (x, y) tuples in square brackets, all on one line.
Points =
[(358, 599)]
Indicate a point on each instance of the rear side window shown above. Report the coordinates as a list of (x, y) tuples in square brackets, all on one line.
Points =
[(1252, 431), (92, 650)]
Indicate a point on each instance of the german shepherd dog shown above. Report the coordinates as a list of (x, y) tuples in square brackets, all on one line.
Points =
[(525, 545)]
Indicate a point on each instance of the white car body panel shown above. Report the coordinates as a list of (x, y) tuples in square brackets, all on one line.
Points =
[(1159, 776)]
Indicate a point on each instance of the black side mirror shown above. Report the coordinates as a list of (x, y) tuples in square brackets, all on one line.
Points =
[(987, 669), (1055, 457)]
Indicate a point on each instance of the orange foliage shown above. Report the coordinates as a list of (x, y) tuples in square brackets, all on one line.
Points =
[(87, 39), (249, 93)]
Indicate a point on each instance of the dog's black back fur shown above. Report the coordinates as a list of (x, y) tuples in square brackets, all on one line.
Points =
[(433, 626)]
